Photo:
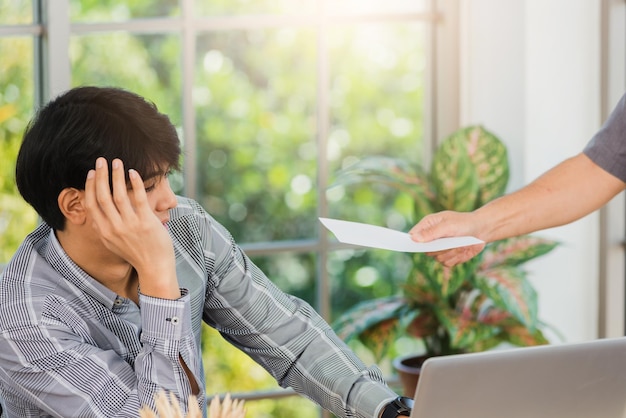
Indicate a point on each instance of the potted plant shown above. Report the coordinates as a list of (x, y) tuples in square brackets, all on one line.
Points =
[(471, 307)]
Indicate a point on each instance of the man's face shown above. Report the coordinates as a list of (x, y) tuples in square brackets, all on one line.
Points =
[(160, 196)]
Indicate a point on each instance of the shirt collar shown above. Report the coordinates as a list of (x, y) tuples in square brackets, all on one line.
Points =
[(56, 256)]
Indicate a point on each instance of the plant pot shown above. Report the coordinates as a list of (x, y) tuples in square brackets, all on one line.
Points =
[(408, 368)]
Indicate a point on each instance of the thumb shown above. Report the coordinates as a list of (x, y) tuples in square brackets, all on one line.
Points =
[(430, 227)]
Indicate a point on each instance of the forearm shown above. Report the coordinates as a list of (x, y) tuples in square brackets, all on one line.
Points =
[(569, 191)]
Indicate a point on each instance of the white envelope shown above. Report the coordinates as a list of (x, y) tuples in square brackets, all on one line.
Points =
[(388, 239)]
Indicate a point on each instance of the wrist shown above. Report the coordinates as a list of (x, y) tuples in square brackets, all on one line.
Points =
[(399, 407)]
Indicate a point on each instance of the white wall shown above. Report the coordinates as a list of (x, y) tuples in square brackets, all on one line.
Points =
[(531, 74)]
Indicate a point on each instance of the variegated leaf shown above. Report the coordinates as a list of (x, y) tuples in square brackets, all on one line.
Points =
[(368, 314), (454, 177), (515, 251), (394, 173), (489, 156), (379, 339), (470, 155), (464, 330), (445, 281), (518, 334), (509, 289)]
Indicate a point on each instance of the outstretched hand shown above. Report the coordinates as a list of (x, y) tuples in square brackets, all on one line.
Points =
[(448, 224), (129, 228)]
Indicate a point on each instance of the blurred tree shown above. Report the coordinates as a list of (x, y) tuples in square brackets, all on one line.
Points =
[(16, 107)]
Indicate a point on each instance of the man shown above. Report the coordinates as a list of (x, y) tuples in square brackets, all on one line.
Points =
[(567, 192), (101, 306)]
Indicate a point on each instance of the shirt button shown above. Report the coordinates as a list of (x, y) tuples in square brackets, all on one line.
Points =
[(174, 320), (118, 302)]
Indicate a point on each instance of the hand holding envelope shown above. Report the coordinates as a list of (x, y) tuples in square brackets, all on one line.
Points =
[(388, 239)]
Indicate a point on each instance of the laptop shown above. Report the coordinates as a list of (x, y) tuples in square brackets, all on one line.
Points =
[(580, 380)]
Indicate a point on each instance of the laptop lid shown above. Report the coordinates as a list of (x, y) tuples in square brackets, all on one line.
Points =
[(582, 380)]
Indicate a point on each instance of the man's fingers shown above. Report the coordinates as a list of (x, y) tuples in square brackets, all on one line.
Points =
[(454, 256), (103, 189), (90, 194), (137, 184), (427, 229), (120, 190)]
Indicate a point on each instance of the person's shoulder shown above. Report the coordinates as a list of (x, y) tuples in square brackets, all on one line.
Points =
[(186, 207), (189, 214), (190, 217), (35, 243)]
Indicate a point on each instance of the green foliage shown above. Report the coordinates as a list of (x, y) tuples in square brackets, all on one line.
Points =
[(17, 218), (472, 306)]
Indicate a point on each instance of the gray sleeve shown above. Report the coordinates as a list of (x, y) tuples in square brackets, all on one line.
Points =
[(607, 148), (285, 335)]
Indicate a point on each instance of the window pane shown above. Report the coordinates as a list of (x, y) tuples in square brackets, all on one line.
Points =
[(377, 86), (120, 10), (375, 6), (292, 273), (358, 275), (16, 12), (254, 96), (238, 7), (17, 218), (147, 65)]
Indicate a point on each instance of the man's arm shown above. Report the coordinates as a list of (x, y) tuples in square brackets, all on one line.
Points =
[(567, 192), (63, 353), (283, 333)]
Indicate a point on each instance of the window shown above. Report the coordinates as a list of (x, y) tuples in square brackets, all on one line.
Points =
[(271, 98)]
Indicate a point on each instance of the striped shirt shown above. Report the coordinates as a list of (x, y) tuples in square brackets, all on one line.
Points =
[(69, 346)]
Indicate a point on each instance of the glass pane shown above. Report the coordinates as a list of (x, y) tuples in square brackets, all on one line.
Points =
[(375, 6), (17, 218), (120, 10), (254, 95), (239, 7), (377, 86), (292, 273), (16, 12), (358, 275), (147, 65)]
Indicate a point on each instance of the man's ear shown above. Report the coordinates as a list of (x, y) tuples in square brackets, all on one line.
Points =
[(70, 203)]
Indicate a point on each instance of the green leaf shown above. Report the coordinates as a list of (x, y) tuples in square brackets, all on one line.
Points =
[(515, 251), (368, 314), (395, 173), (469, 169), (454, 177), (518, 334), (509, 289), (445, 281), (489, 156), (464, 329), (380, 338)]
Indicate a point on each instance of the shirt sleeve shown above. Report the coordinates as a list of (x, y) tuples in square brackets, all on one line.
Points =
[(608, 146), (167, 338), (52, 364), (285, 335)]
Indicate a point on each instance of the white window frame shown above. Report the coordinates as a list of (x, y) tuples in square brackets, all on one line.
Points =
[(612, 256)]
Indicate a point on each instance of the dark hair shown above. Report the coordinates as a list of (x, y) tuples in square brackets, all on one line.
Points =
[(63, 140)]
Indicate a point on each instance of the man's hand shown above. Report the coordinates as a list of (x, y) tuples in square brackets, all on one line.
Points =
[(449, 224), (129, 228)]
